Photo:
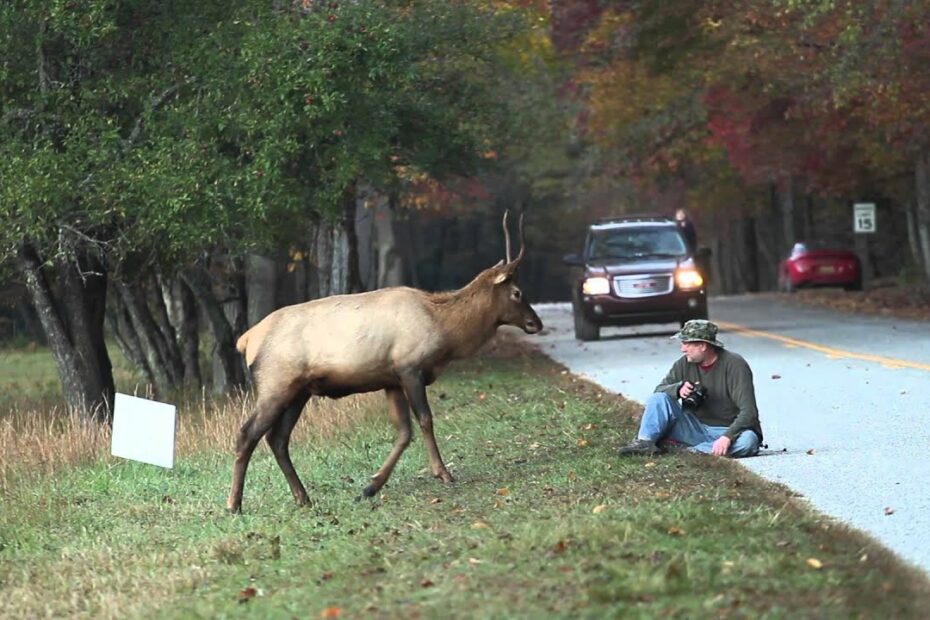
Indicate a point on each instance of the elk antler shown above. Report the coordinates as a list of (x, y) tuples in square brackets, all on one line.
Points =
[(507, 240)]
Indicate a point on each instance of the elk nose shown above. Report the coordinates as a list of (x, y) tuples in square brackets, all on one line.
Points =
[(532, 326)]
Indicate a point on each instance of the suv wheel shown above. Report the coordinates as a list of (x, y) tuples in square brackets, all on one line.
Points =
[(585, 330)]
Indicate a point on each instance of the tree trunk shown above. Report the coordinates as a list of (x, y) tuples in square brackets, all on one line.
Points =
[(322, 276), (73, 318), (127, 338), (390, 265), (787, 218), (353, 275), (226, 356), (156, 337), (260, 287), (408, 245), (365, 230), (181, 305), (922, 178)]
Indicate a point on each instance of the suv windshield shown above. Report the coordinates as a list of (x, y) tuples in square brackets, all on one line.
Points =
[(636, 242)]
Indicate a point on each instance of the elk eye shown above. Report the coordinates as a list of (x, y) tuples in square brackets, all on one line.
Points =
[(516, 294)]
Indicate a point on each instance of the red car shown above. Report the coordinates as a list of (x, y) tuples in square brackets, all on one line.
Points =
[(817, 264)]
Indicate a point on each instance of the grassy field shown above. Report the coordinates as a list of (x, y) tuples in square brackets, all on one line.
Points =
[(543, 522)]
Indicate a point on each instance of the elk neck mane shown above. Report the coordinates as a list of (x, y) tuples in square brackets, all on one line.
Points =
[(465, 316)]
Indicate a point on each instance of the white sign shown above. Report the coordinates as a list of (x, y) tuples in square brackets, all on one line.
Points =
[(864, 217), (144, 430)]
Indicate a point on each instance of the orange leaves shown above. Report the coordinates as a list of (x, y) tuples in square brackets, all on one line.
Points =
[(246, 595)]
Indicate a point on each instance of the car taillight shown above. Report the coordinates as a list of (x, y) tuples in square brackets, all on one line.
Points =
[(596, 286), (689, 278)]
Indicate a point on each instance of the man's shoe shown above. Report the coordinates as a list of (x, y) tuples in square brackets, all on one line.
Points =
[(642, 447)]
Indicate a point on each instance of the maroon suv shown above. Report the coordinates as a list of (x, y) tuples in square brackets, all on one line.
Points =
[(634, 270)]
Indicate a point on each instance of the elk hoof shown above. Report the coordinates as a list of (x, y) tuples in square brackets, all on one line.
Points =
[(369, 491), (445, 476)]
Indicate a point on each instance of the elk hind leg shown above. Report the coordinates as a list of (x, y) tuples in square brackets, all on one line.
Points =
[(266, 413), (279, 438), (399, 410)]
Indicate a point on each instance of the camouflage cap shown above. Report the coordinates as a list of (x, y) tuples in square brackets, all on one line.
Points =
[(699, 330)]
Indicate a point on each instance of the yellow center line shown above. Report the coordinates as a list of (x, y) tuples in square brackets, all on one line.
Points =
[(887, 362)]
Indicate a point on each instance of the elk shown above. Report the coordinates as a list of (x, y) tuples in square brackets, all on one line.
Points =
[(395, 339)]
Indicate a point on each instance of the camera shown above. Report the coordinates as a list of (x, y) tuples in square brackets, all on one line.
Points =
[(696, 398)]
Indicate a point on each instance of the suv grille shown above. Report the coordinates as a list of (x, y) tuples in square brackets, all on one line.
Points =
[(643, 286)]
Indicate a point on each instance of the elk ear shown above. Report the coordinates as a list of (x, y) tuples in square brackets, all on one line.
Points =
[(502, 277)]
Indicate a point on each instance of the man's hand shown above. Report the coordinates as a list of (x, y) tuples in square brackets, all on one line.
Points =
[(720, 447), (685, 390)]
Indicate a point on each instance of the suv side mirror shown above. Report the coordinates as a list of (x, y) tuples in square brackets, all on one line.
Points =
[(573, 260)]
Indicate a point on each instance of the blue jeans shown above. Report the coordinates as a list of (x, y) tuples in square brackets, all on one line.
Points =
[(665, 419)]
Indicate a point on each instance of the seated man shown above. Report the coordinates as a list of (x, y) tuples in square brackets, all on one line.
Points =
[(724, 423)]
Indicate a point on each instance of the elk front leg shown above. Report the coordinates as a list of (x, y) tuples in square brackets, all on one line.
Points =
[(416, 395), (399, 410)]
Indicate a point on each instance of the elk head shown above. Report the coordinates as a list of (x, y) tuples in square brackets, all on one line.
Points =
[(509, 305)]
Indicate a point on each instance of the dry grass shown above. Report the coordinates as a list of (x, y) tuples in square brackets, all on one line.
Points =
[(42, 442)]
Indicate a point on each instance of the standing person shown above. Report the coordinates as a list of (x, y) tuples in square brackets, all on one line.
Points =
[(725, 422), (686, 226)]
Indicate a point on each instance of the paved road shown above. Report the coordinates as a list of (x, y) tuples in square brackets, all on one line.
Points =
[(845, 396)]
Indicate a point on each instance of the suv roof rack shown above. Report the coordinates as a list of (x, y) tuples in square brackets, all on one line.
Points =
[(636, 217)]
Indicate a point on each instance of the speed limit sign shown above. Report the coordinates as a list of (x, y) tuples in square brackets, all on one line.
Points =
[(864, 217)]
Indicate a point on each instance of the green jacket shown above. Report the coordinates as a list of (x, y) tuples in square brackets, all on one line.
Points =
[(731, 397)]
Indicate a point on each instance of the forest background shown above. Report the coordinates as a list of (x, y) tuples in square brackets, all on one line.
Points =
[(173, 171)]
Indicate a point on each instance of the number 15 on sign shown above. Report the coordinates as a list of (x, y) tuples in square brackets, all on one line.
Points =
[(864, 217)]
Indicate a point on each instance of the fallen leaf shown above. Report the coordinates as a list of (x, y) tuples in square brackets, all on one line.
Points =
[(662, 494), (474, 561), (675, 531), (246, 595), (534, 446), (582, 443), (589, 427), (814, 563), (503, 492), (811, 451), (331, 612), (889, 511), (560, 547), (599, 509), (435, 500), (426, 583), (326, 576), (864, 558), (482, 396), (572, 476), (650, 464), (499, 504), (783, 543), (479, 525)]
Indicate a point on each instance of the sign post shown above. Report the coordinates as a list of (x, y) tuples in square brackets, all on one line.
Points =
[(864, 224)]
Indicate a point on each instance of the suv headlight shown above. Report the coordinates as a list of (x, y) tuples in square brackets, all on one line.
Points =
[(596, 286), (689, 278)]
